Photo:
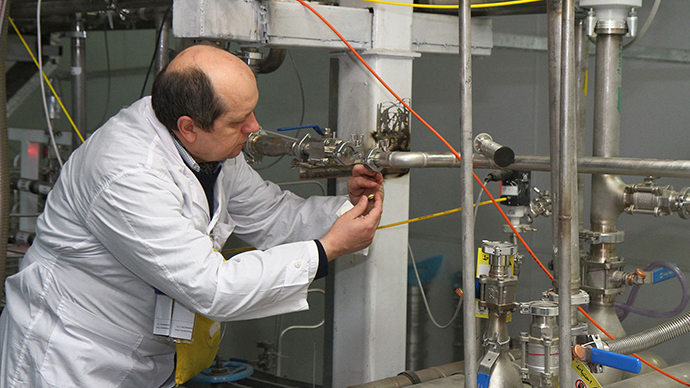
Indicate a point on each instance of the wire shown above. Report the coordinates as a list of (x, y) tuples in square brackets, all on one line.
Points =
[(424, 299), (479, 198), (646, 25), (26, 46), (436, 215), (107, 93), (39, 49), (155, 51), (474, 6), (247, 249), (493, 200)]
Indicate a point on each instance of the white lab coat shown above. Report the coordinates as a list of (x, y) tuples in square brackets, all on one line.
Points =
[(127, 215)]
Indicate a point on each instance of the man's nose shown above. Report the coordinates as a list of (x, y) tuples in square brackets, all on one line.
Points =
[(252, 125)]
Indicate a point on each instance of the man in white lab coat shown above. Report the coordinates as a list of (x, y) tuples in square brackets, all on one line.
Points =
[(144, 205)]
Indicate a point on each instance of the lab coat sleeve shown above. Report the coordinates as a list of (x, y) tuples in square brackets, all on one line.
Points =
[(265, 216), (139, 218)]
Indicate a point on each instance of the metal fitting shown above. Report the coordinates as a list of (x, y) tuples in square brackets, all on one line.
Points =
[(501, 155), (650, 198)]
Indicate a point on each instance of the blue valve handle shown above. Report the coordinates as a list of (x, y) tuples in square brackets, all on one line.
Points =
[(483, 380), (315, 127), (661, 274), (615, 360)]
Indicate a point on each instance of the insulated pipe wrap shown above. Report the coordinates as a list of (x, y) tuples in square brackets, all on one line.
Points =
[(652, 337)]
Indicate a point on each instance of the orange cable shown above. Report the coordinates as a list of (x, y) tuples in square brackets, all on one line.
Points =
[(493, 200)]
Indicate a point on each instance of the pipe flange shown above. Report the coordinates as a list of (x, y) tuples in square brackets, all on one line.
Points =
[(578, 299), (345, 154), (499, 248), (612, 27), (684, 204), (540, 308), (479, 139), (603, 238), (369, 159)]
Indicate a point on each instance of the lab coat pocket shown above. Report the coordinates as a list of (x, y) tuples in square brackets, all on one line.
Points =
[(85, 350)]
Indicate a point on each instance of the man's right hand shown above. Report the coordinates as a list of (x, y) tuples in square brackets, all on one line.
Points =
[(353, 231)]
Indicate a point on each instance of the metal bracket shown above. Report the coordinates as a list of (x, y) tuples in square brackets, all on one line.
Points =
[(602, 238)]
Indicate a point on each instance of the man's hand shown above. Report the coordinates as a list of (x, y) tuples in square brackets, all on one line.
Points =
[(364, 182), (353, 231)]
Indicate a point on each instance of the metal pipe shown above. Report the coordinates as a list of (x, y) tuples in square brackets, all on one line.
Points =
[(78, 72), (568, 249), (585, 165), (607, 189), (554, 11), (408, 378), (651, 337), (163, 21), (5, 195), (272, 61), (467, 194), (581, 62)]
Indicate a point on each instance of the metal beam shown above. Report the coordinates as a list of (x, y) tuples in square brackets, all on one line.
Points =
[(538, 43), (288, 24)]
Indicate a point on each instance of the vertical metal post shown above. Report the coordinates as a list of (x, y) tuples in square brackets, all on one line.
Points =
[(554, 10), (467, 195), (163, 20), (581, 59), (568, 251), (78, 73)]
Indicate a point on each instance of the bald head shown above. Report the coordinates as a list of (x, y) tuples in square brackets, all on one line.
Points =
[(203, 81)]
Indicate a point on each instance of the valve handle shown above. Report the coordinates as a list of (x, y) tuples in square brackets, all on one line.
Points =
[(483, 380), (615, 360), (315, 127), (661, 274)]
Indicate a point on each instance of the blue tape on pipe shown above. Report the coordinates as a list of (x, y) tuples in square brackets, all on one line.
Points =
[(615, 360)]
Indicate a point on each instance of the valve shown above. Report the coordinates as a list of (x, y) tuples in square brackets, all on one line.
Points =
[(650, 198), (597, 357), (326, 150)]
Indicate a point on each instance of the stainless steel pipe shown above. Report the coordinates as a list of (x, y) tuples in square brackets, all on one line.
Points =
[(78, 72), (163, 21), (585, 165), (568, 254), (467, 194)]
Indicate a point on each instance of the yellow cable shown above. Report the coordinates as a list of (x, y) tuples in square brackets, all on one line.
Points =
[(486, 5), (47, 81), (437, 214), (238, 250)]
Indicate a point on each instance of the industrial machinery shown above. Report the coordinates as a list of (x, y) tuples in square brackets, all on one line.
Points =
[(574, 336)]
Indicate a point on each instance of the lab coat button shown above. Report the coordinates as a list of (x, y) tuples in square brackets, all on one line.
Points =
[(298, 264)]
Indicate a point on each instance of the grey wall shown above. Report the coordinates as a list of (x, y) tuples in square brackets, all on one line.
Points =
[(510, 102)]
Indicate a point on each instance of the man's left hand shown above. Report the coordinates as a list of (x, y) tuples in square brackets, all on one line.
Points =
[(363, 183)]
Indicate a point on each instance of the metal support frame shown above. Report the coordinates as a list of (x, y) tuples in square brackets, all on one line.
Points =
[(568, 253), (467, 193)]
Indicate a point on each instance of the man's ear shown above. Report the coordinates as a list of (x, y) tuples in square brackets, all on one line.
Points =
[(186, 129)]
